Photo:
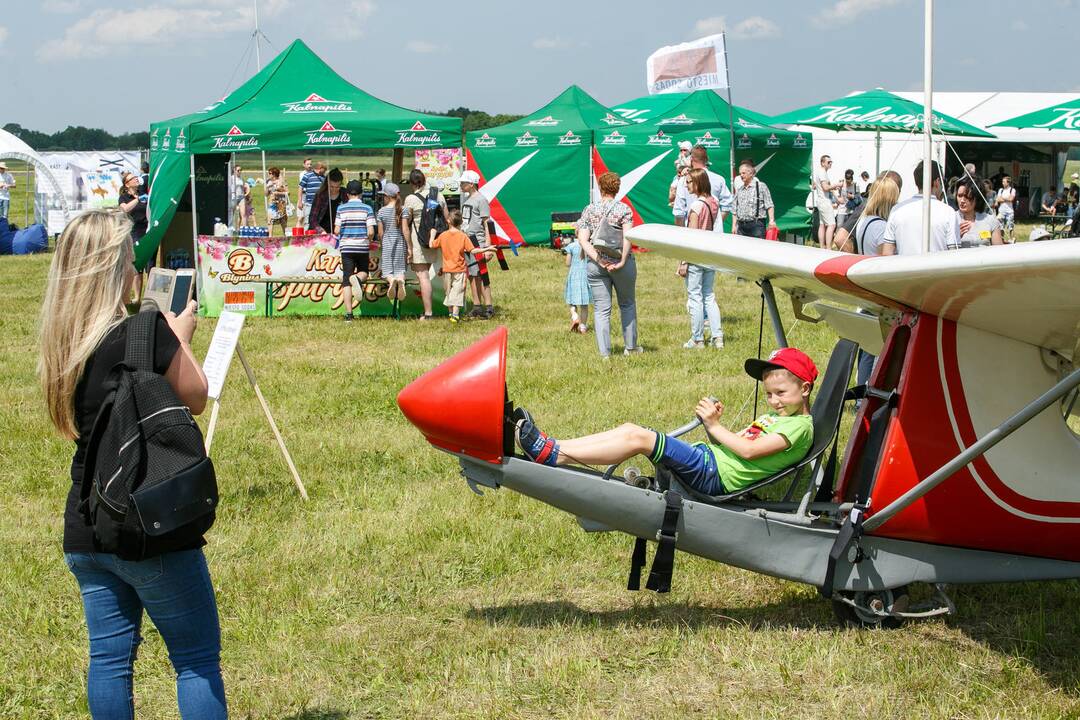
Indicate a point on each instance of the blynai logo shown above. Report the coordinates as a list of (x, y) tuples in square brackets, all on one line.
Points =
[(799, 141), (235, 140), (181, 142), (547, 121), (659, 138), (240, 262), (614, 138), (484, 140), (744, 141), (569, 138), (679, 119), (328, 136), (707, 140), (419, 136), (610, 119), (526, 140), (773, 141), (314, 103)]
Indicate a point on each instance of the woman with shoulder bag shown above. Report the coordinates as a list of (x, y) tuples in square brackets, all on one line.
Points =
[(602, 234), (700, 297), (83, 336)]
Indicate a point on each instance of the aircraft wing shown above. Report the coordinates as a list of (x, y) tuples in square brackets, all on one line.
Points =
[(1027, 291)]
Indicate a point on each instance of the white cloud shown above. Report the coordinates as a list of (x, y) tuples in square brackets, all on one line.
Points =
[(710, 26), (61, 7), (105, 33), (1018, 26), (550, 43), (3, 35), (755, 28), (421, 46), (353, 22), (843, 12)]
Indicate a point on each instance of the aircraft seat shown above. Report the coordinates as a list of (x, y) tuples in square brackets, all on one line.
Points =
[(826, 410)]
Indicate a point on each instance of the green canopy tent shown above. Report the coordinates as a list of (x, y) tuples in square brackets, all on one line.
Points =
[(296, 102), (1061, 116), (644, 153), (879, 111), (540, 164)]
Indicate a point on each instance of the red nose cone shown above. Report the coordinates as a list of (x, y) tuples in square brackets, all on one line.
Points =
[(458, 405)]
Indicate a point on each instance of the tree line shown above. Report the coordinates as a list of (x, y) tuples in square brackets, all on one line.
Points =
[(77, 137)]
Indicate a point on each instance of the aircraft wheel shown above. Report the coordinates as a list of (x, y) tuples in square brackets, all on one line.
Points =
[(889, 600)]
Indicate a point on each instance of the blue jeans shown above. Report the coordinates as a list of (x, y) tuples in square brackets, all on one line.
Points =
[(701, 300), (175, 590)]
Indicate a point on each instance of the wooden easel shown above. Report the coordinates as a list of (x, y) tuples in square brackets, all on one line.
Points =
[(262, 402)]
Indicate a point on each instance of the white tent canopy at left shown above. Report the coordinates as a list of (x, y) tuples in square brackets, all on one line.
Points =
[(12, 148)]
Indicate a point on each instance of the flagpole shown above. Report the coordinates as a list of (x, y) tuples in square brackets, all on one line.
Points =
[(731, 125), (258, 62), (928, 116)]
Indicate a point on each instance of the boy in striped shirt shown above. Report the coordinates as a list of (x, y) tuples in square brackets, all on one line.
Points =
[(354, 225)]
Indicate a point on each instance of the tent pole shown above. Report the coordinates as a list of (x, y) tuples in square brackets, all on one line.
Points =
[(731, 128), (258, 63), (26, 194), (928, 116), (877, 153), (195, 234)]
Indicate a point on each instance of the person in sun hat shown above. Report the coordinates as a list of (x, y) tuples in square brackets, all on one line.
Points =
[(729, 460)]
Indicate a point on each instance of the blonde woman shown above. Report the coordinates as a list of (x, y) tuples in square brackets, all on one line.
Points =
[(871, 226), (83, 335)]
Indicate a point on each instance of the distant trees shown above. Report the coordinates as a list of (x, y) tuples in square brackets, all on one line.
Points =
[(77, 137)]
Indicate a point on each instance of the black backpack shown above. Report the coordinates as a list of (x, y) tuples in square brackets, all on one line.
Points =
[(148, 487), (431, 217)]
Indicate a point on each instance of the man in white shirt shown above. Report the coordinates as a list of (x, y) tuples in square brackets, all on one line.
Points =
[(823, 201), (904, 230), (699, 158)]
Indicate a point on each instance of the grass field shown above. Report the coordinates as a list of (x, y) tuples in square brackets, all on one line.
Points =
[(396, 593)]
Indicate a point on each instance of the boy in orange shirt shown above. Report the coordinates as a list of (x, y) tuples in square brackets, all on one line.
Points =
[(454, 245)]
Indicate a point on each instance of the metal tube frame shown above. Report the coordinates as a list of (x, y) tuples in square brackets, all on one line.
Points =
[(979, 448), (774, 312)]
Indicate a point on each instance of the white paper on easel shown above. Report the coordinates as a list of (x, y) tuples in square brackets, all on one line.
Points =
[(222, 346)]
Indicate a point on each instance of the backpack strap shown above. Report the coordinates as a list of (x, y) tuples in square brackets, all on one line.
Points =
[(139, 352), (859, 238)]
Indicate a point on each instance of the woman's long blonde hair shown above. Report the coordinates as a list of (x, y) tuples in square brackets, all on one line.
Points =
[(882, 198), (90, 275)]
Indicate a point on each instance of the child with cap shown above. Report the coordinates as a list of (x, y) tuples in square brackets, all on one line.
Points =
[(354, 225), (730, 460), (455, 246), (682, 162)]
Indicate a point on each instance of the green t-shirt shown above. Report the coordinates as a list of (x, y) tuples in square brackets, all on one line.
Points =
[(736, 473)]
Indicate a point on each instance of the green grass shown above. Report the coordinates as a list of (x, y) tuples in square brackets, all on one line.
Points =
[(396, 593)]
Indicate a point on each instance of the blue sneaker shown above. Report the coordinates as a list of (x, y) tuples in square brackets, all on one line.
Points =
[(534, 444)]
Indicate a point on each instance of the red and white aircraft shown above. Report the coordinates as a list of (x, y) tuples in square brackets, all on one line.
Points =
[(961, 466)]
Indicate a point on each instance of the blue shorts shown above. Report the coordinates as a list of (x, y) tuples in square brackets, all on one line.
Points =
[(692, 464)]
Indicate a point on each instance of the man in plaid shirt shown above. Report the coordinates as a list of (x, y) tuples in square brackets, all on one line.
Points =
[(753, 203)]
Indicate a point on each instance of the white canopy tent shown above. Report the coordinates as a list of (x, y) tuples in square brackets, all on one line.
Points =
[(900, 152), (13, 148)]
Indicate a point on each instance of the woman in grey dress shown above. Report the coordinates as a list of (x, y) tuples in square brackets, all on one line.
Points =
[(394, 251)]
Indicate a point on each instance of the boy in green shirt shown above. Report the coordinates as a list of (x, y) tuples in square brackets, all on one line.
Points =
[(774, 441)]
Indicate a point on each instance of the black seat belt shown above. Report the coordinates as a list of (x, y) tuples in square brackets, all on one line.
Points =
[(664, 560)]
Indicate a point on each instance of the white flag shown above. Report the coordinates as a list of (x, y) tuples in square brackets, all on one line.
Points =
[(697, 65)]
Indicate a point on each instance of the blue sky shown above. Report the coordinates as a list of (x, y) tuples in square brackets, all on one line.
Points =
[(122, 65)]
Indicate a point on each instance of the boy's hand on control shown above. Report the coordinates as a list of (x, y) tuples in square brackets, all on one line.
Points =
[(709, 411)]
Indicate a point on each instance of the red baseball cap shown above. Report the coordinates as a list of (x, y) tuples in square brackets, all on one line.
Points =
[(791, 359)]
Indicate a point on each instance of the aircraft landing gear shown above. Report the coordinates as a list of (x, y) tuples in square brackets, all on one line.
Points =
[(888, 608)]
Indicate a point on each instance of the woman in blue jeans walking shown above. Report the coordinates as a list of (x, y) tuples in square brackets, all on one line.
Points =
[(700, 297), (83, 335), (602, 234)]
